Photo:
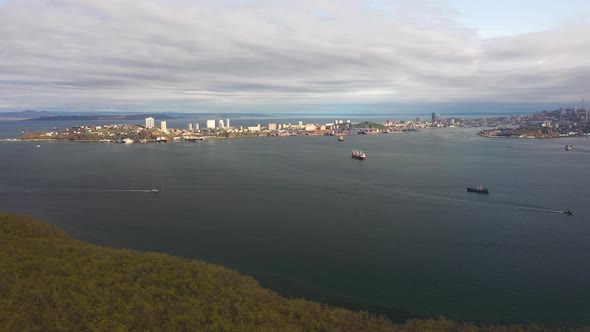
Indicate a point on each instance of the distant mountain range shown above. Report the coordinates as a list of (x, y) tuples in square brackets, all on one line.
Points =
[(101, 117), (24, 115)]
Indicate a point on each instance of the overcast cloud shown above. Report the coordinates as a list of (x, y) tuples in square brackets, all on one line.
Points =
[(274, 55)]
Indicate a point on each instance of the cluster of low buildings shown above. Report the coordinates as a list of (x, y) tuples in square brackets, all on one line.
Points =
[(79, 132)]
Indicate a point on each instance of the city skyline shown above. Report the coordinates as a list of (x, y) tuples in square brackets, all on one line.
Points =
[(310, 56)]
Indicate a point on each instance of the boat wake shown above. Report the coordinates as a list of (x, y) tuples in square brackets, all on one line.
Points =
[(66, 191), (423, 198)]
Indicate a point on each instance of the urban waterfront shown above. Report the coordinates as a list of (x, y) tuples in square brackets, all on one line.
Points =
[(395, 234)]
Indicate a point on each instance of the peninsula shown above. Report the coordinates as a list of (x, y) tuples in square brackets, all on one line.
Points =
[(148, 133)]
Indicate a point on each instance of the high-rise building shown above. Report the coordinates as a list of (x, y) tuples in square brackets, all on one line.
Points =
[(435, 116), (197, 126), (163, 126), (272, 126), (300, 123), (149, 122), (210, 124), (585, 109), (190, 127), (220, 124), (227, 123)]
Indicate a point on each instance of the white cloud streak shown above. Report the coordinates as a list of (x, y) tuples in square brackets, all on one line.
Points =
[(194, 55)]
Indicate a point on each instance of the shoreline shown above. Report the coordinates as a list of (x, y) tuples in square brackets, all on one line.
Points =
[(26, 236), (205, 138)]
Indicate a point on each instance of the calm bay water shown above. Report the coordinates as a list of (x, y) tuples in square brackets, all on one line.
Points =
[(396, 234)]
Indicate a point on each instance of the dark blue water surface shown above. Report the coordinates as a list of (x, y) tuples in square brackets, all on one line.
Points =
[(395, 234)]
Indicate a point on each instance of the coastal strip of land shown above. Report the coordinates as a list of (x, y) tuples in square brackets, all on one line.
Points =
[(52, 282), (546, 124)]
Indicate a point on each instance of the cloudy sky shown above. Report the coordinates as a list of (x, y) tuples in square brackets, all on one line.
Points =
[(305, 55)]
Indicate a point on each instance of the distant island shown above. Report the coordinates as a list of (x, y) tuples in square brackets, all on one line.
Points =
[(52, 282), (100, 117), (23, 115)]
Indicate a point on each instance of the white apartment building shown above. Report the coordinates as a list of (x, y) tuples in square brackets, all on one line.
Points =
[(149, 122)]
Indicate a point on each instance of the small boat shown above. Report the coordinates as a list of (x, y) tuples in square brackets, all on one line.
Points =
[(360, 155), (154, 190), (568, 147), (479, 189), (53, 128), (568, 212), (340, 138)]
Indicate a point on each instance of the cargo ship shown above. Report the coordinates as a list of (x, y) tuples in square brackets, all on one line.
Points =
[(568, 147), (360, 155), (479, 189)]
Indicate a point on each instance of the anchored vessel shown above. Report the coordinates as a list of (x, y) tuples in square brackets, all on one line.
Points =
[(568, 147), (479, 189), (340, 138), (360, 155)]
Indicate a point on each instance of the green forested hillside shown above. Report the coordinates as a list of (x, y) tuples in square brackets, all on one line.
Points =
[(52, 282)]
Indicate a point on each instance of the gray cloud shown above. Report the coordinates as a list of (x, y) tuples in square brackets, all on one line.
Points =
[(199, 55)]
